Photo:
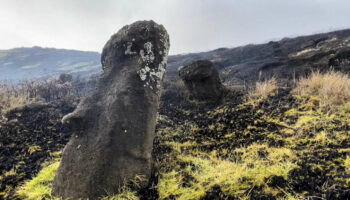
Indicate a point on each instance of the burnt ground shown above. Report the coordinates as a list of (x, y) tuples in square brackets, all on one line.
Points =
[(30, 136), (222, 128)]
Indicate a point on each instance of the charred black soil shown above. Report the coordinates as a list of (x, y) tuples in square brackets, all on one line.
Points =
[(282, 146), (29, 136)]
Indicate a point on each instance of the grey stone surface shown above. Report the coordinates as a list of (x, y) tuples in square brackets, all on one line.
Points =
[(202, 80), (114, 126)]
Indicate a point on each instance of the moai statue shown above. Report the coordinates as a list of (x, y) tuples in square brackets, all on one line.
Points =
[(113, 128), (202, 80)]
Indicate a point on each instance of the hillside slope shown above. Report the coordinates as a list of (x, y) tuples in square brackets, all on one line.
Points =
[(285, 59), (29, 63), (274, 143)]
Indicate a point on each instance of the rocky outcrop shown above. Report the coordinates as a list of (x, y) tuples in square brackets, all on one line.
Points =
[(202, 80), (114, 126)]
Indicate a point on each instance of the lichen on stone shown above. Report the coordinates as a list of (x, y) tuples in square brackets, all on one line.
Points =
[(148, 56), (128, 49), (147, 73)]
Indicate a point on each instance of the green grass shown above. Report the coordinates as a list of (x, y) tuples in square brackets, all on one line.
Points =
[(203, 172), (124, 194), (40, 186)]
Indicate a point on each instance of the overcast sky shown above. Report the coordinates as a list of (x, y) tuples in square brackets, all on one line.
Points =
[(193, 25)]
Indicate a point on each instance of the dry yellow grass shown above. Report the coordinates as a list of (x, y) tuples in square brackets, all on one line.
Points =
[(263, 89), (332, 88), (10, 98)]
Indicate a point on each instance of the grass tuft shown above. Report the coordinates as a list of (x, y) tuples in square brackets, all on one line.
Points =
[(263, 90), (332, 88), (10, 98), (124, 194)]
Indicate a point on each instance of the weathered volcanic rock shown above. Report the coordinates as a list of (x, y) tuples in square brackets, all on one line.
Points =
[(114, 126), (202, 80)]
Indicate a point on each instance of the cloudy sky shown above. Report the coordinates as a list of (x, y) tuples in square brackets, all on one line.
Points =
[(193, 25)]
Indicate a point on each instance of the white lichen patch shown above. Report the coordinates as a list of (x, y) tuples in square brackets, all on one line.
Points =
[(162, 66), (148, 56), (150, 74), (143, 74), (128, 49)]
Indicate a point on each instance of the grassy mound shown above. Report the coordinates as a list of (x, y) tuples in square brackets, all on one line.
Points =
[(278, 144)]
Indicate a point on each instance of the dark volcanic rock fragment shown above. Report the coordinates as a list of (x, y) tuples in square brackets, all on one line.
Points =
[(114, 126), (202, 80)]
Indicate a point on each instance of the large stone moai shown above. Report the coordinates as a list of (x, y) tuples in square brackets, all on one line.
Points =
[(202, 80), (114, 127)]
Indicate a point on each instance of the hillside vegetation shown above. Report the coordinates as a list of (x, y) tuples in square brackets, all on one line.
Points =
[(272, 143)]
